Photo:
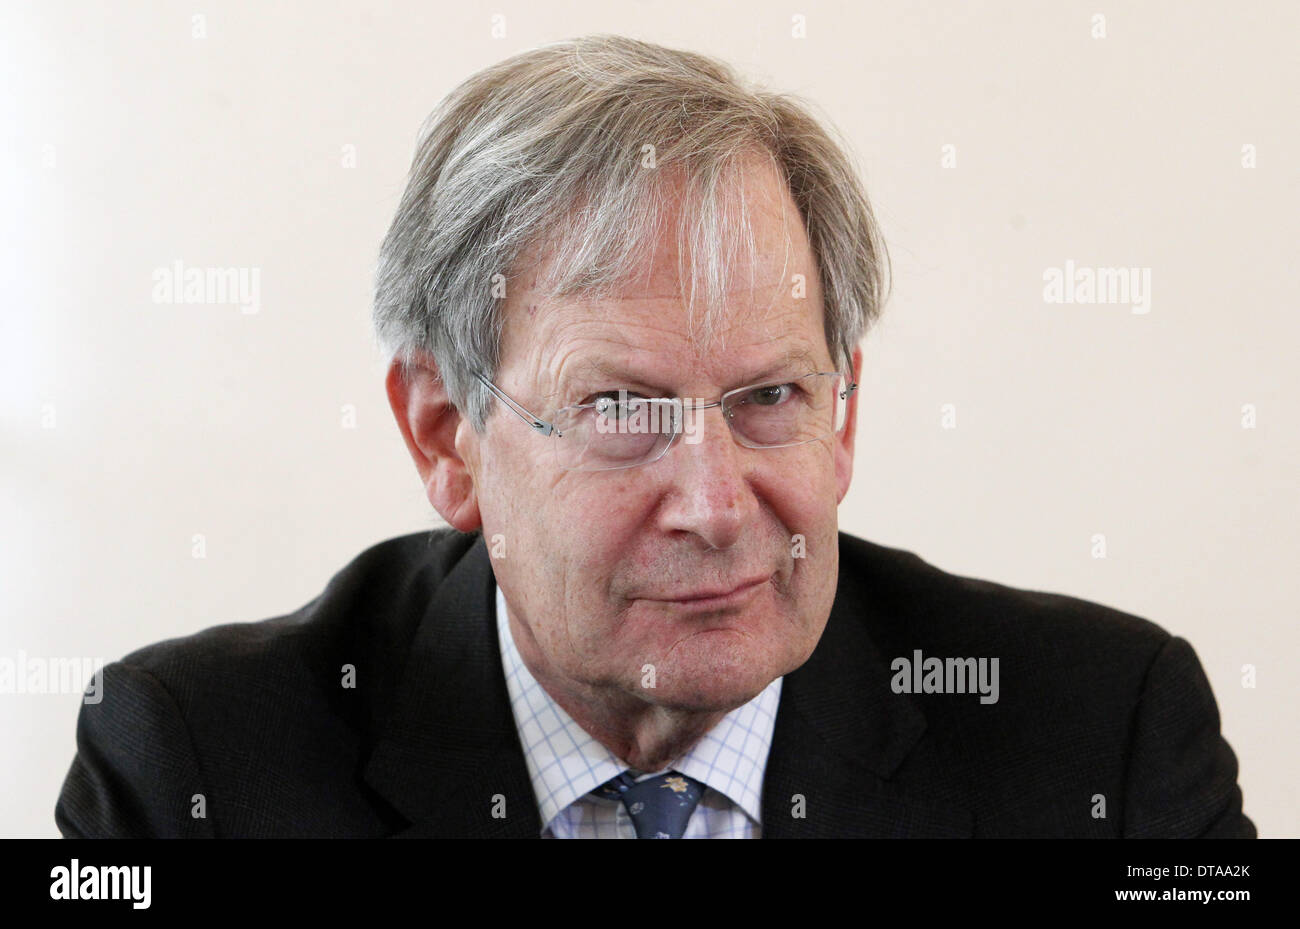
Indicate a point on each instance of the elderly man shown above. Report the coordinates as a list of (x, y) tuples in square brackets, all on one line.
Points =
[(623, 297)]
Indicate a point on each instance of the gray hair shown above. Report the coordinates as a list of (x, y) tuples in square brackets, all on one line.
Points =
[(548, 149)]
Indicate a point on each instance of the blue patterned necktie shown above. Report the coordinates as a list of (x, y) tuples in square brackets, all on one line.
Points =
[(659, 806)]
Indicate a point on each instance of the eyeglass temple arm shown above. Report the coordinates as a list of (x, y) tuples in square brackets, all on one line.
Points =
[(541, 426)]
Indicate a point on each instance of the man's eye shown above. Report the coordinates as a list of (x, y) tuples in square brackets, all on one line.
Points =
[(611, 395), (771, 395), (607, 402)]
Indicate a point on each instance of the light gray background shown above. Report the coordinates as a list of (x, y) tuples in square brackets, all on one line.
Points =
[(130, 144)]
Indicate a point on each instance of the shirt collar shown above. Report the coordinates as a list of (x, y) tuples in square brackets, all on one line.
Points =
[(565, 762)]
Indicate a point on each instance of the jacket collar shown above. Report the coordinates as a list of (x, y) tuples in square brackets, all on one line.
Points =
[(848, 756), (449, 758)]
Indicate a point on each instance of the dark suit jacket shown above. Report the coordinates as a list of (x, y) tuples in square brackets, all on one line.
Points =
[(255, 718)]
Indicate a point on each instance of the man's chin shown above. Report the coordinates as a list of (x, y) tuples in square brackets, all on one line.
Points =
[(703, 680), (712, 701)]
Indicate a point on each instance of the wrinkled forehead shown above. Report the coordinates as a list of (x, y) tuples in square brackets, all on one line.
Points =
[(649, 340), (662, 306)]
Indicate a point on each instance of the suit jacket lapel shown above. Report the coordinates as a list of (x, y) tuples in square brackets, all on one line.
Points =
[(848, 757), (449, 758)]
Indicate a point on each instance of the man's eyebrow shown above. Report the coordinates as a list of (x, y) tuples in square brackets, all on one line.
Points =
[(598, 368), (795, 357)]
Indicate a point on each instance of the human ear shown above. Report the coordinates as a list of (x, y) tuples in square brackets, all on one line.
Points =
[(843, 442), (429, 422)]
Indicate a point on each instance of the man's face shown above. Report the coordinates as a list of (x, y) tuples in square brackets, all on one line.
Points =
[(596, 565)]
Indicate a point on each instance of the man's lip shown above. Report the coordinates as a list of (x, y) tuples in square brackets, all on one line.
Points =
[(716, 593)]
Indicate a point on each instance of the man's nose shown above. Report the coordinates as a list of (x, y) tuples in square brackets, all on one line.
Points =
[(710, 496)]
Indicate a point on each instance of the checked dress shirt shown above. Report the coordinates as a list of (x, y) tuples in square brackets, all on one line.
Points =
[(565, 763)]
